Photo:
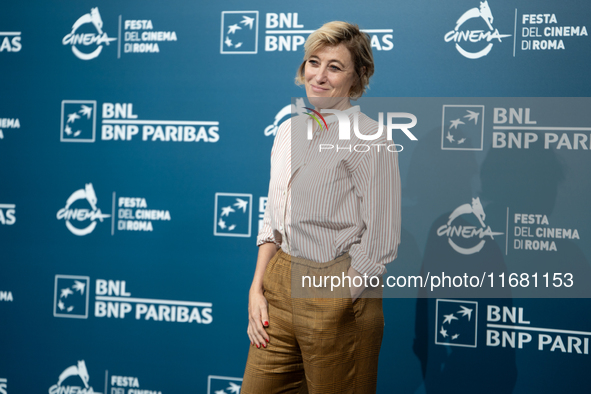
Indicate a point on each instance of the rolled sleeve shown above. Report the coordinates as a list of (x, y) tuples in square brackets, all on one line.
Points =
[(266, 232), (377, 185)]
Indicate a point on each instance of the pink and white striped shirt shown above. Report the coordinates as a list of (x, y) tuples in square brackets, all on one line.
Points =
[(324, 202)]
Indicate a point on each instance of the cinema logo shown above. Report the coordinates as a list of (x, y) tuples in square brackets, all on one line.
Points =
[(291, 109), (128, 213), (8, 123), (465, 39), (87, 41), (467, 239), (77, 211), (6, 296), (74, 379)]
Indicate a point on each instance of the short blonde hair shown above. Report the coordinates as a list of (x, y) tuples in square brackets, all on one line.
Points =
[(358, 44)]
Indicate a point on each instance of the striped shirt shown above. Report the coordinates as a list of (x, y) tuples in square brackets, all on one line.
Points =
[(324, 201)]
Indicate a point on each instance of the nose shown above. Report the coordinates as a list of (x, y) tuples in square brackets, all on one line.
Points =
[(322, 74)]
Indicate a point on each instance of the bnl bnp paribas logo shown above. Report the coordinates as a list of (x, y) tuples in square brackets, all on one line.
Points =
[(11, 42), (474, 34), (7, 214), (464, 237), (462, 127), (233, 215), (284, 32), (120, 122), (87, 37), (223, 385), (78, 122), (456, 323), (507, 327), (70, 298), (113, 300), (240, 32)]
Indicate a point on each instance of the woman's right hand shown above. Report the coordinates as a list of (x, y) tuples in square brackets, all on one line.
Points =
[(258, 318)]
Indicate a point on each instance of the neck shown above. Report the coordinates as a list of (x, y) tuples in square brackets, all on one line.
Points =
[(341, 105)]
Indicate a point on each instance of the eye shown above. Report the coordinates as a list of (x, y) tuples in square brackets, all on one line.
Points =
[(335, 68), (313, 62)]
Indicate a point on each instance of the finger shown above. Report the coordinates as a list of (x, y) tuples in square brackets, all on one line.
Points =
[(255, 332), (250, 338), (265, 323), (260, 334)]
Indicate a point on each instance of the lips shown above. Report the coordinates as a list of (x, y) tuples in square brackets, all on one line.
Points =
[(317, 89)]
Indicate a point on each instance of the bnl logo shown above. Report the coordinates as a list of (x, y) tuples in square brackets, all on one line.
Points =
[(462, 127), (71, 296), (240, 30), (233, 215), (223, 385), (78, 121), (456, 322)]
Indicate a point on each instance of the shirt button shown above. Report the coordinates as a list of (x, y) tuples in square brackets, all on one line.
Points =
[(280, 228)]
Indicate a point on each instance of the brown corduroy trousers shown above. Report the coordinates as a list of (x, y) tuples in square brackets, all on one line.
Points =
[(317, 345)]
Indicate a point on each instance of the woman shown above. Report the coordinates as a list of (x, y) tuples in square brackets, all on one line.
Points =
[(329, 213)]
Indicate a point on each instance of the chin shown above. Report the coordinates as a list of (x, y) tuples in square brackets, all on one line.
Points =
[(324, 102)]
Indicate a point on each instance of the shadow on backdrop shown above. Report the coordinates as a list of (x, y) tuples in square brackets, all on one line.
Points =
[(450, 334), (527, 182)]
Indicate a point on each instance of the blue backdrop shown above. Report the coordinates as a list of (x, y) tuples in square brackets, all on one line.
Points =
[(126, 128)]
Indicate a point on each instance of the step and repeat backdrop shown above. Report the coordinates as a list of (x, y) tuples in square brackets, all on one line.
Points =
[(135, 142)]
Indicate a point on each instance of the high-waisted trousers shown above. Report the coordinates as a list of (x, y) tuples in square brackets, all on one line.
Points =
[(316, 345)]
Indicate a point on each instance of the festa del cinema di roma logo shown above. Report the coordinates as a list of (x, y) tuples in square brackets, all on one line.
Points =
[(467, 232), (76, 214), (459, 35), (84, 39)]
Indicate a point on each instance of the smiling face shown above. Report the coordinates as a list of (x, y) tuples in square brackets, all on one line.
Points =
[(329, 74)]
